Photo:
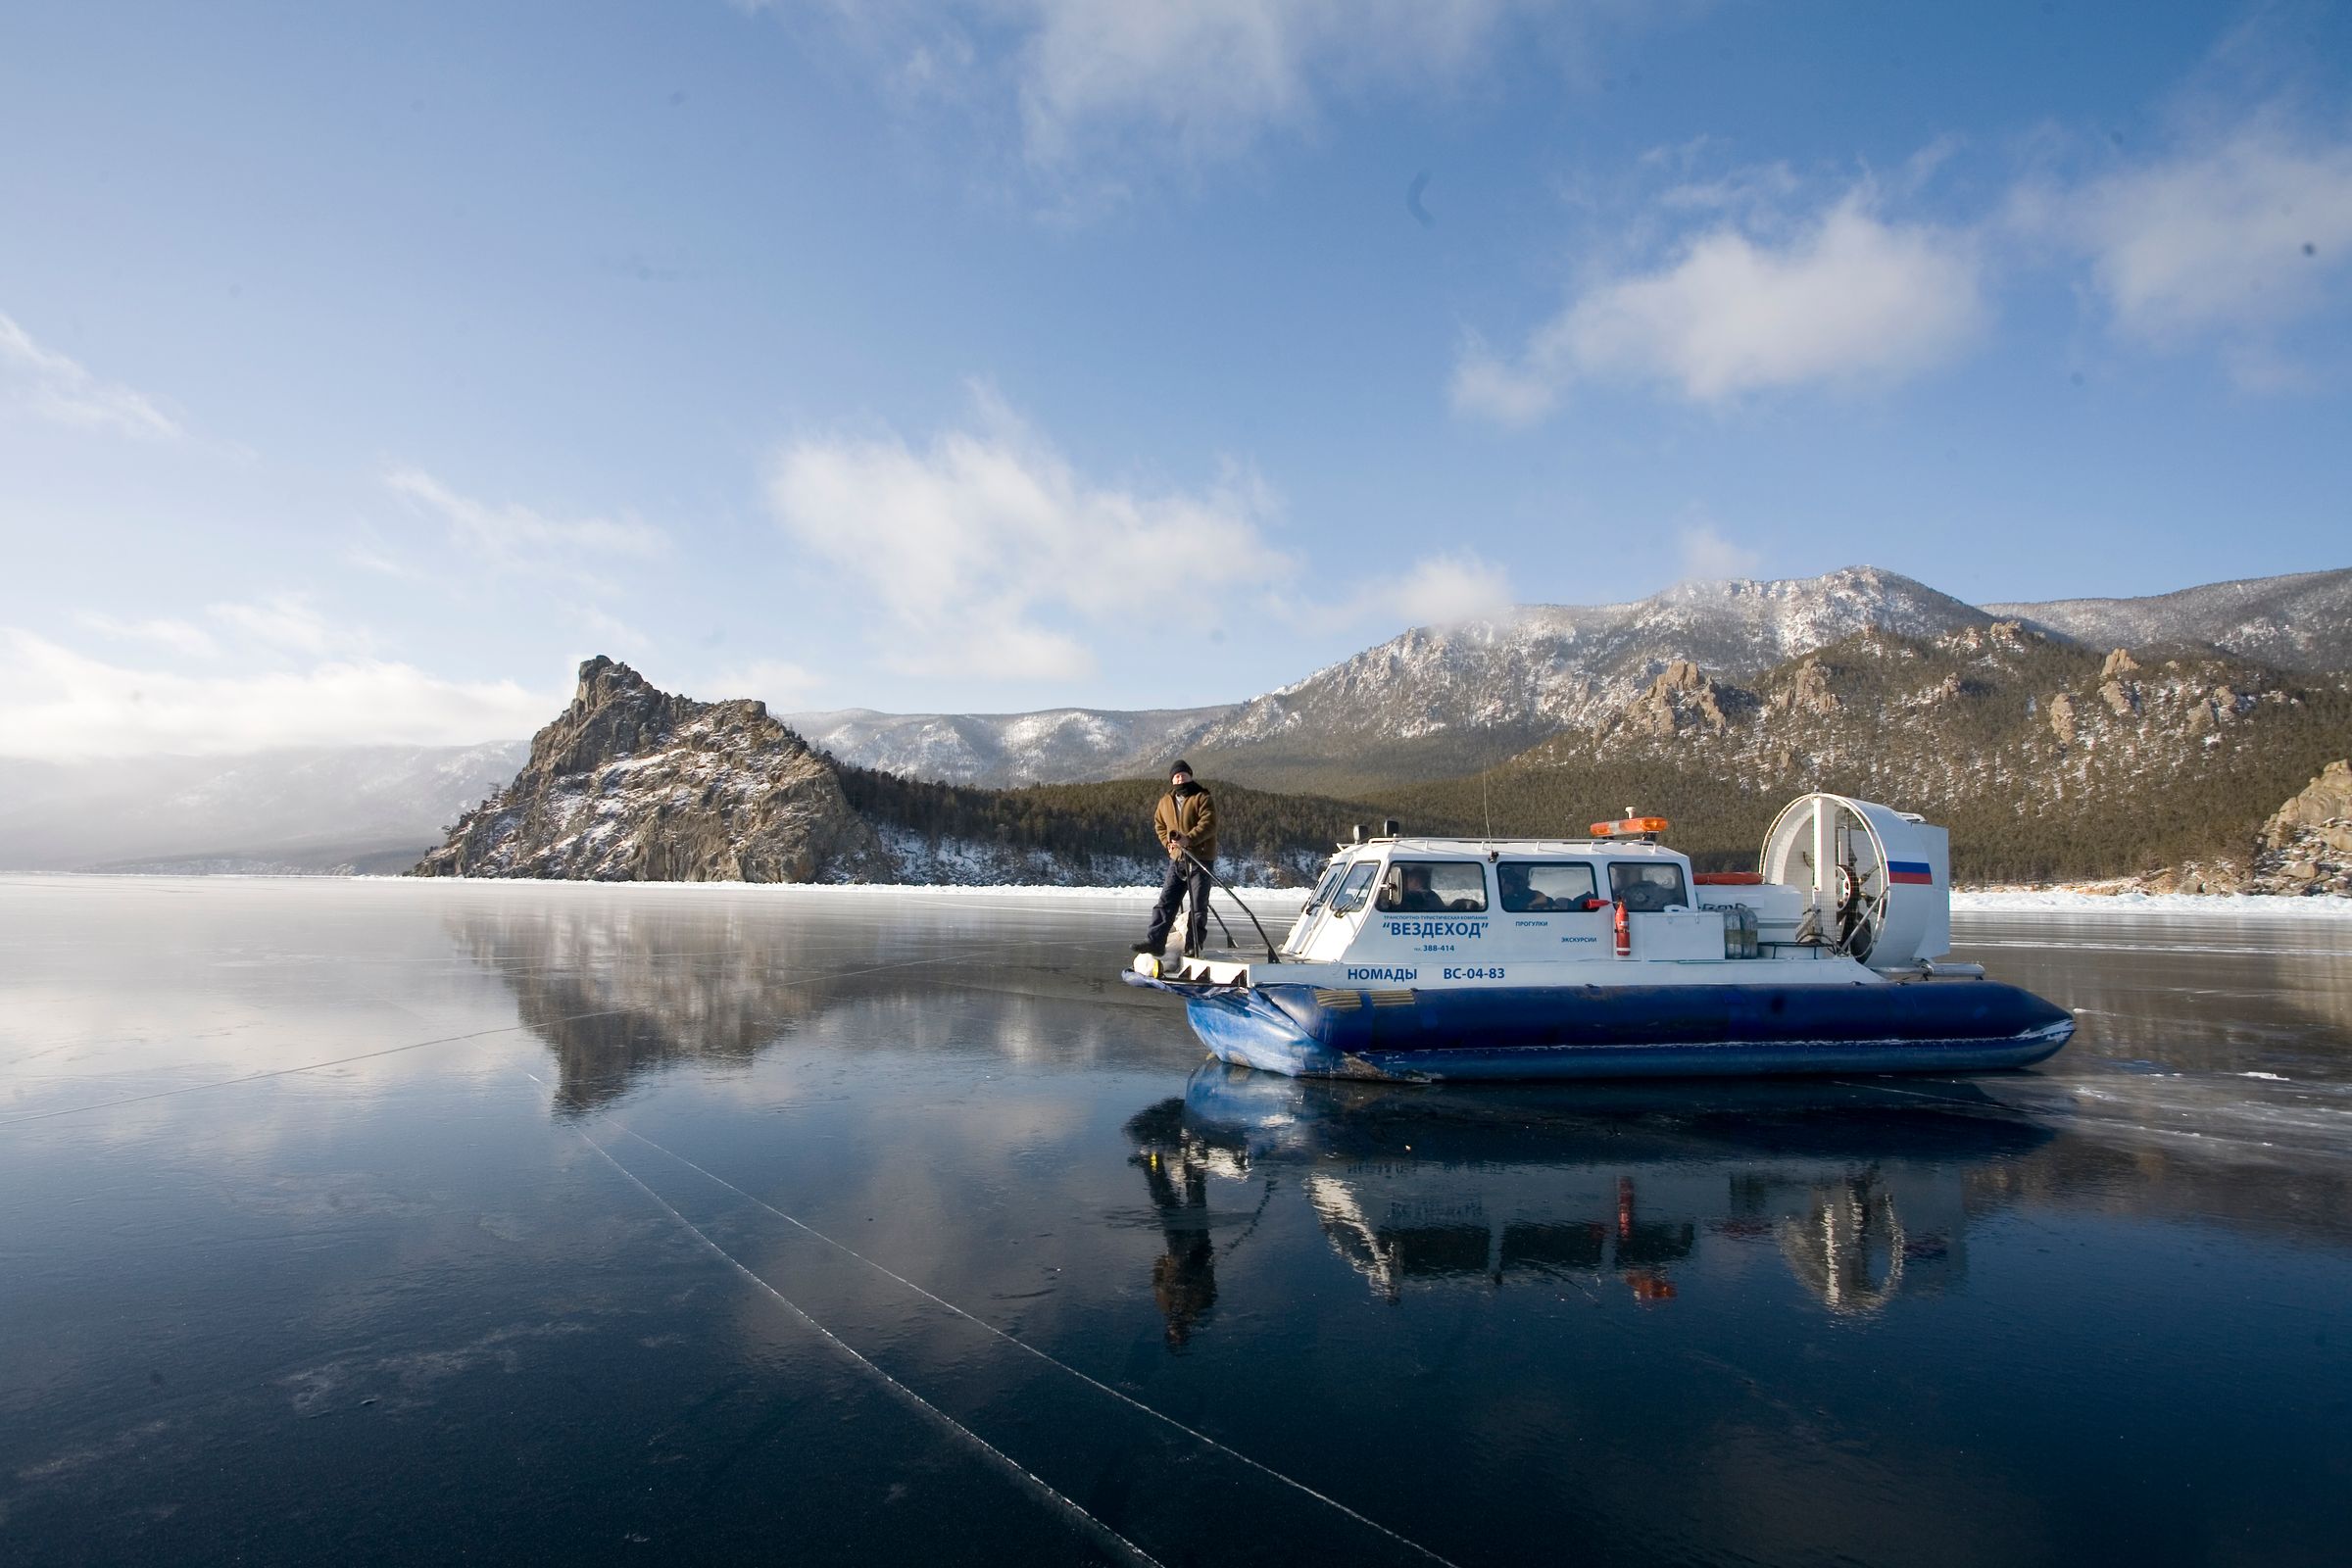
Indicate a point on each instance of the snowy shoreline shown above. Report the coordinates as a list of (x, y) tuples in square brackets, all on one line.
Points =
[(1989, 900), (2013, 901)]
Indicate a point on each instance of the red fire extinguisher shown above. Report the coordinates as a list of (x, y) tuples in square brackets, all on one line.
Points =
[(1625, 934)]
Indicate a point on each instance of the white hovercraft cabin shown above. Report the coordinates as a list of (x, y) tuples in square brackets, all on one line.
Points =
[(1608, 954)]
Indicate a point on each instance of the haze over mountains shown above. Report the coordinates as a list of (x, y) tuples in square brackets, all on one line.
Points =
[(363, 808), (1430, 704)]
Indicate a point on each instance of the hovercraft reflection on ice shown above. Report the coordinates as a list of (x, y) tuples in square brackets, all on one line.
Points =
[(1607, 957), (1865, 1193)]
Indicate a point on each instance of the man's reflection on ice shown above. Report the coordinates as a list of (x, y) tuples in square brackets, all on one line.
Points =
[(1177, 1161)]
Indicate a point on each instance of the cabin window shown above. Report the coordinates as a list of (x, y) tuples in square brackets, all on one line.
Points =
[(1432, 887), (1323, 889), (1648, 886), (1534, 888), (1350, 897)]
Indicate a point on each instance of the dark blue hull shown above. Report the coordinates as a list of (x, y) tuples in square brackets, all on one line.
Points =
[(1626, 1031)]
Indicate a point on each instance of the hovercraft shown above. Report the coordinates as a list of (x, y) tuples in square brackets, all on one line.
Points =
[(1607, 956)]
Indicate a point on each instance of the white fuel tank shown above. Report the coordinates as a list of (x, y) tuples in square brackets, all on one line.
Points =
[(1880, 879)]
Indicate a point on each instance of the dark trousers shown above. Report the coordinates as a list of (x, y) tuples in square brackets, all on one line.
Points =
[(1185, 882)]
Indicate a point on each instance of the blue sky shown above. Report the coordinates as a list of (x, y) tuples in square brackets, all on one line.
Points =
[(363, 369)]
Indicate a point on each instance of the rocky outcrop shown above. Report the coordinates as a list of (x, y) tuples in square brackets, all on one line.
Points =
[(1807, 691), (1682, 698), (2324, 806), (634, 784), (2116, 689), (2306, 848), (2062, 718)]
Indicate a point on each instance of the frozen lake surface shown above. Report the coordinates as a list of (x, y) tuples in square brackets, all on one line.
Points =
[(377, 1222)]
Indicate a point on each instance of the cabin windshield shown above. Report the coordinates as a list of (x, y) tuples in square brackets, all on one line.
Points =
[(1323, 889), (1648, 886), (1350, 896), (1429, 887), (1535, 888)]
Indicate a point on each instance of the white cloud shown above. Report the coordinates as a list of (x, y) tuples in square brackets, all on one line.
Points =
[(367, 558), (59, 704), (1211, 75), (181, 637), (284, 623), (1708, 557), (1198, 80), (280, 627), (1433, 591), (2240, 230), (987, 553), (782, 685), (1492, 388), (610, 630), (512, 536), (1846, 296), (1764, 187), (54, 387)]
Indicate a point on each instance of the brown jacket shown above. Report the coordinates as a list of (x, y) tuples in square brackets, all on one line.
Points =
[(1193, 814)]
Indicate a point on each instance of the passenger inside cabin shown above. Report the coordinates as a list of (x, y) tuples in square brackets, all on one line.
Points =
[(1543, 887), (1648, 888), (1518, 896), (1408, 892), (1429, 887)]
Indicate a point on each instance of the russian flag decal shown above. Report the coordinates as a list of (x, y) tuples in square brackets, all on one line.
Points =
[(1911, 871)]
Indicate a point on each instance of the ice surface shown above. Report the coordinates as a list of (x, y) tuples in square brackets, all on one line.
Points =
[(403, 1221)]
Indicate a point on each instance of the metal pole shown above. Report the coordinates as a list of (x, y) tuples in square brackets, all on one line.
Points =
[(1238, 898), (1826, 858)]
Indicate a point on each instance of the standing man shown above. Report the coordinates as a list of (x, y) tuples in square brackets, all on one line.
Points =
[(1187, 824)]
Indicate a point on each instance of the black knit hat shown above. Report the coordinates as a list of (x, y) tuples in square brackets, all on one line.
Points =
[(1180, 765)]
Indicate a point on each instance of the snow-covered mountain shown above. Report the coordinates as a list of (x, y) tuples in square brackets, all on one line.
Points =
[(2300, 623), (1432, 703), (1054, 746), (1439, 702)]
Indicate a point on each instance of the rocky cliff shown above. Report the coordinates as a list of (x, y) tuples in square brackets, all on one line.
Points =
[(2307, 847), (633, 784)]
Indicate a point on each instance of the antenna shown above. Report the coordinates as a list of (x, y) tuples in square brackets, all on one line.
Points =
[(1488, 805)]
